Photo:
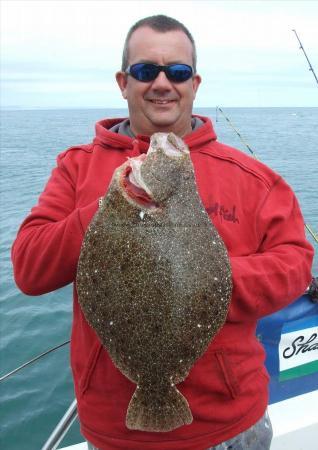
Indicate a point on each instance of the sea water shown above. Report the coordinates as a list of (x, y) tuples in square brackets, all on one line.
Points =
[(34, 399)]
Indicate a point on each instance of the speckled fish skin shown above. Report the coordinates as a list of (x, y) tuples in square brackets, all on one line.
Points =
[(155, 283)]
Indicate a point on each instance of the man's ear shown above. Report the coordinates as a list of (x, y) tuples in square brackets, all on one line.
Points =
[(196, 81), (121, 78)]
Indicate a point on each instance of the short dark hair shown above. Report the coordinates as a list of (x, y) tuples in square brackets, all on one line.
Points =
[(162, 24)]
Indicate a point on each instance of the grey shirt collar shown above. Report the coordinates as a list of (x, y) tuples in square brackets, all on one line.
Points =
[(124, 127)]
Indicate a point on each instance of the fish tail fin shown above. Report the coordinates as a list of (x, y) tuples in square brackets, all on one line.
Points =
[(153, 411)]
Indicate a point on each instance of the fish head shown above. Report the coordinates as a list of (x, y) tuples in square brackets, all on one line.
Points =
[(160, 171)]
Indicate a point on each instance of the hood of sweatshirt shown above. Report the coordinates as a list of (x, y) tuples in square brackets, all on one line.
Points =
[(140, 143)]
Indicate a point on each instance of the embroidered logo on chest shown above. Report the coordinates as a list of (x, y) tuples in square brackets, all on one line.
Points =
[(224, 213)]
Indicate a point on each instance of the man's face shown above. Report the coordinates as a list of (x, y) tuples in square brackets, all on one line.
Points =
[(159, 105)]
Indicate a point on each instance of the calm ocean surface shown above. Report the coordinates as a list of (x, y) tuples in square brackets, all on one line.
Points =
[(33, 400)]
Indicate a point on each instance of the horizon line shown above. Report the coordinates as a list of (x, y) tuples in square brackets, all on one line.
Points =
[(55, 108)]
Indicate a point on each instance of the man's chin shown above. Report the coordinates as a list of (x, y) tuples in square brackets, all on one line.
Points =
[(164, 124)]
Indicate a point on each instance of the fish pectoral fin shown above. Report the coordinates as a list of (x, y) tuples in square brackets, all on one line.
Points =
[(159, 413)]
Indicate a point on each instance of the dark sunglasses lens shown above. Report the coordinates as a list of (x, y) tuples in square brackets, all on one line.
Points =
[(144, 72), (179, 72)]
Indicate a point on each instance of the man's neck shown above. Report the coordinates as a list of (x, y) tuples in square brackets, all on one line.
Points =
[(164, 129), (125, 129)]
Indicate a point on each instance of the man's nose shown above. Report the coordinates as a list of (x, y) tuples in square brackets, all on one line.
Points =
[(161, 82)]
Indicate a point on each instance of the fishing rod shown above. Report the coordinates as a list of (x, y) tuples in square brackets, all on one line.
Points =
[(302, 48), (310, 230), (237, 132), (32, 361), (312, 233)]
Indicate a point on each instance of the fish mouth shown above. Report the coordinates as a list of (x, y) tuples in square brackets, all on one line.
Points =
[(135, 190)]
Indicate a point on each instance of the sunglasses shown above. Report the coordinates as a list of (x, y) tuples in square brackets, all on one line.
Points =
[(145, 72)]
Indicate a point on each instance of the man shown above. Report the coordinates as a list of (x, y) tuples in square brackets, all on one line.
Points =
[(254, 211)]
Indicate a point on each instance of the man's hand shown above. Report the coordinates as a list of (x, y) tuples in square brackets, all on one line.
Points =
[(313, 290)]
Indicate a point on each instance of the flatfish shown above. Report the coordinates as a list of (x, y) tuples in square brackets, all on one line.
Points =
[(154, 279)]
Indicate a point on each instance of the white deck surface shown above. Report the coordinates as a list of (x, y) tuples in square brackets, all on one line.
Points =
[(295, 424)]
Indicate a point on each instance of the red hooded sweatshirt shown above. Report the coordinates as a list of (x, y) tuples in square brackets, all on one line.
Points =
[(259, 219)]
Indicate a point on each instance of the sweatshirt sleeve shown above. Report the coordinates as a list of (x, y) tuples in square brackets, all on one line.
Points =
[(48, 243), (280, 271)]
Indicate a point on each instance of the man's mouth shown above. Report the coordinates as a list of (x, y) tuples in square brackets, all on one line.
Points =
[(161, 102)]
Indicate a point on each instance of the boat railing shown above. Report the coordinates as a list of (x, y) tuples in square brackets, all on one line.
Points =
[(61, 428)]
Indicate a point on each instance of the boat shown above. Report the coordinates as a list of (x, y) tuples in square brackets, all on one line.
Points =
[(290, 339)]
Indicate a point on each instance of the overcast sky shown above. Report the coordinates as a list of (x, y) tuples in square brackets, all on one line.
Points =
[(64, 53)]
